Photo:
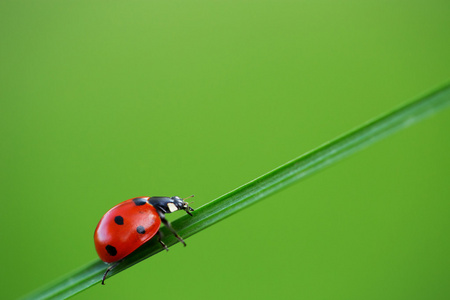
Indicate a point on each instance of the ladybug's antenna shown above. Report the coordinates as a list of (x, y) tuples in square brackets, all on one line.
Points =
[(188, 197)]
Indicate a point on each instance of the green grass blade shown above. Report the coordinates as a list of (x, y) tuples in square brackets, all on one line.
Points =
[(259, 188)]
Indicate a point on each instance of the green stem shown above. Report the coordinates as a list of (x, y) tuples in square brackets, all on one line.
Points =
[(259, 188)]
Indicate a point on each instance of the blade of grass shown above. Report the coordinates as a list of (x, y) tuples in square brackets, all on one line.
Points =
[(257, 189)]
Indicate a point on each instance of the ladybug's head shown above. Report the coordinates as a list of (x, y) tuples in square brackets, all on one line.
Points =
[(182, 205)]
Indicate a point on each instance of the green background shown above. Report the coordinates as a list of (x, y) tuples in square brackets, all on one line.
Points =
[(102, 101)]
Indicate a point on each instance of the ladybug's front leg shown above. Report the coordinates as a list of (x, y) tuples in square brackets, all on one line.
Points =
[(167, 224)]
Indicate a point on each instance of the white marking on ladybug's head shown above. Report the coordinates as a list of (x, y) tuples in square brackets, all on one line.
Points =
[(172, 207)]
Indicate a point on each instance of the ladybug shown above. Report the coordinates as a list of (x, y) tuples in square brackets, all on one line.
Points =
[(130, 224)]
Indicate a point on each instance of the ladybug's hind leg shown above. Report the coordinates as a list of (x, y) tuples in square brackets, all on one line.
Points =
[(107, 271)]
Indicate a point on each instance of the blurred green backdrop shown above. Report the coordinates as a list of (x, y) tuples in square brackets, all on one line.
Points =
[(102, 101)]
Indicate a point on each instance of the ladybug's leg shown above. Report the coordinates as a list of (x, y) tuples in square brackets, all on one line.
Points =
[(160, 236), (167, 223), (107, 271)]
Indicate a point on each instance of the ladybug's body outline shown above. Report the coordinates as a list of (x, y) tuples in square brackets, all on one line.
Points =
[(133, 222)]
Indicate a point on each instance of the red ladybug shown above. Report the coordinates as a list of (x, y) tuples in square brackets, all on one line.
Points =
[(130, 224)]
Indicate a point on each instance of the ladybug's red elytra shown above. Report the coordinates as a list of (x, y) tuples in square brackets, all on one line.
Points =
[(130, 224)]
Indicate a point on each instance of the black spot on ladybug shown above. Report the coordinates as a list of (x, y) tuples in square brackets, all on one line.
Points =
[(140, 229), (111, 250), (118, 220), (139, 201)]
